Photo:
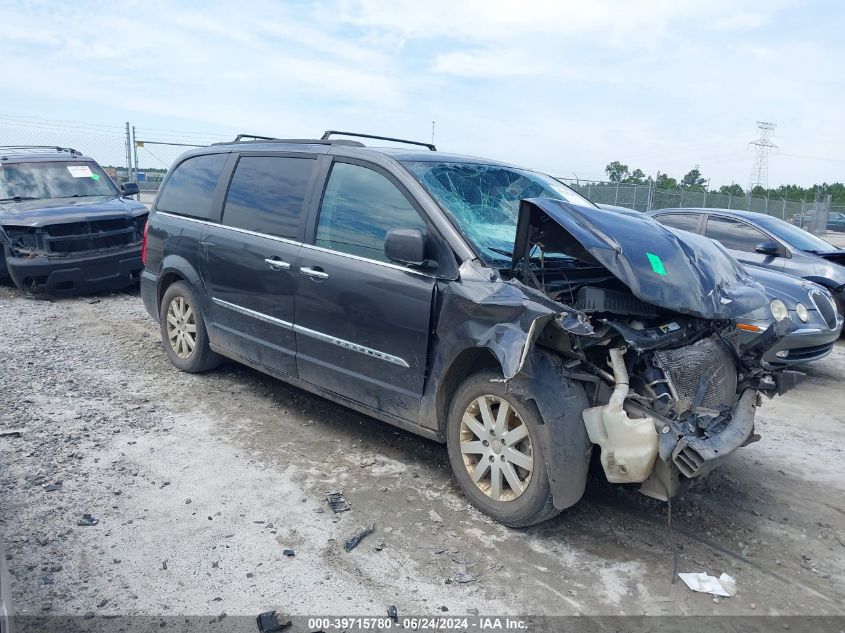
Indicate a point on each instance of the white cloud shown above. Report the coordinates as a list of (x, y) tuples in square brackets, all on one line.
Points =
[(563, 85)]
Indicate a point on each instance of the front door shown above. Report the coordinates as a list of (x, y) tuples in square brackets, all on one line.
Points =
[(362, 322), (250, 259), (742, 240)]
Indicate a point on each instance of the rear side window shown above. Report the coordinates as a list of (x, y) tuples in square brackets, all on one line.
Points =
[(190, 189), (267, 193), (683, 221), (359, 207), (734, 234)]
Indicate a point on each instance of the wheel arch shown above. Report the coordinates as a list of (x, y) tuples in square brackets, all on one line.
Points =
[(176, 268), (438, 397)]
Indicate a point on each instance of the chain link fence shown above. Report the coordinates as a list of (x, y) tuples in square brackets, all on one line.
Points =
[(127, 153), (811, 214), (144, 155)]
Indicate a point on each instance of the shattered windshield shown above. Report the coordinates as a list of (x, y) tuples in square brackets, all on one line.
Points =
[(36, 181), (484, 199)]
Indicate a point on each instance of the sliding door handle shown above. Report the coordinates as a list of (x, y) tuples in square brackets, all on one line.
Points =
[(277, 264)]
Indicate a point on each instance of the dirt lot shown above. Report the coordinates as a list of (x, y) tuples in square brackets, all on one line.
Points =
[(200, 482)]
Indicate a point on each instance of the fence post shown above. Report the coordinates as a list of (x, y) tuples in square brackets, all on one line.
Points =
[(704, 201), (616, 197), (135, 149), (783, 209), (730, 200), (128, 153), (681, 205)]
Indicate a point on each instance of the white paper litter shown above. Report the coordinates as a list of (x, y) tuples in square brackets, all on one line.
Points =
[(724, 585), (79, 171)]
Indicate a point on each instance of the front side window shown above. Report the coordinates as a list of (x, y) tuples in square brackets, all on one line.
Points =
[(484, 199), (795, 236), (359, 207), (267, 193), (683, 221), (734, 234), (190, 189), (54, 179)]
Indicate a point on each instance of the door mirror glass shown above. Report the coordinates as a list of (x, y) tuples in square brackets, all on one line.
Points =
[(407, 246), (768, 248), (129, 189)]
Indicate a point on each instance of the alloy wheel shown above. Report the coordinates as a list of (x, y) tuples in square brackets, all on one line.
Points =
[(181, 327), (496, 448)]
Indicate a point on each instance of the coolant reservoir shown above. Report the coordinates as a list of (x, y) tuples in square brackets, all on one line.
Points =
[(628, 447)]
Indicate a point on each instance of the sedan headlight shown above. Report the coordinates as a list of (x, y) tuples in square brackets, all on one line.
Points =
[(779, 311), (801, 311)]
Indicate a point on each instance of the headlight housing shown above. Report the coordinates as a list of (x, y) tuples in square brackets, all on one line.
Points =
[(802, 312), (779, 311)]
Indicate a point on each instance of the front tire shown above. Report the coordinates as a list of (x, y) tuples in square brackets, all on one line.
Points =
[(492, 437), (183, 330)]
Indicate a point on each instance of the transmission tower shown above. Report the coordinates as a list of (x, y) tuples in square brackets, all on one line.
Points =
[(762, 146)]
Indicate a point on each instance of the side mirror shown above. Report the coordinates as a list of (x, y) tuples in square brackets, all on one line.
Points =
[(129, 189), (769, 248), (407, 246)]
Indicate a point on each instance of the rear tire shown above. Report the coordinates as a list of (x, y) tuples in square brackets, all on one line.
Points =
[(183, 332), (492, 437)]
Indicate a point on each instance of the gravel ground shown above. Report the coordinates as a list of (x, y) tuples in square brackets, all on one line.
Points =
[(199, 483)]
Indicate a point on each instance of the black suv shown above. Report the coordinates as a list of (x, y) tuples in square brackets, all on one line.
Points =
[(64, 225), (474, 303)]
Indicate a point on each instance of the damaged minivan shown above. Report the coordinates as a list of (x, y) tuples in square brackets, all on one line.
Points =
[(475, 303)]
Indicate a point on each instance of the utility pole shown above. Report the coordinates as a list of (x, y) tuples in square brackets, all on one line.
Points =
[(432, 132), (762, 146)]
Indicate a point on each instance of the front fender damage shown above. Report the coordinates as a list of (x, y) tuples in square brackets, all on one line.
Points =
[(695, 387)]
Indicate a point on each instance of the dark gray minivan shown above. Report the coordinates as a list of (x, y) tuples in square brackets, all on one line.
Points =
[(475, 303)]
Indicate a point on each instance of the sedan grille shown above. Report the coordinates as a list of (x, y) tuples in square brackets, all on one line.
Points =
[(825, 307), (708, 361)]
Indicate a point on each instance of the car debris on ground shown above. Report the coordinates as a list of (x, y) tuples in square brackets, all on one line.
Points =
[(353, 542), (337, 502), (270, 622)]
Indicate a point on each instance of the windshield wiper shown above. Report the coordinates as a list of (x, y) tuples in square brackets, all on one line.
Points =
[(499, 251), (18, 198)]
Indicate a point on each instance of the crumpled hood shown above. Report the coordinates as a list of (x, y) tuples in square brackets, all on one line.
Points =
[(37, 213), (678, 271)]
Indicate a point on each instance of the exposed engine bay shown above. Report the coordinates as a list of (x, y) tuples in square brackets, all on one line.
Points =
[(672, 390)]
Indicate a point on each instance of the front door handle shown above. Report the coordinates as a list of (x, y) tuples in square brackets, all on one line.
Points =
[(277, 264), (314, 273)]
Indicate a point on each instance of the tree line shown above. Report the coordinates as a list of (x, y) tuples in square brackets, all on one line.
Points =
[(693, 180)]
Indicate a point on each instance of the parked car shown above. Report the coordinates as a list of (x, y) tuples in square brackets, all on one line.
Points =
[(6, 622), (835, 221), (809, 306), (763, 240), (475, 303), (64, 225)]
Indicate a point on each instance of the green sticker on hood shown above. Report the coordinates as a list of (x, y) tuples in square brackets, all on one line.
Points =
[(656, 264), (95, 176)]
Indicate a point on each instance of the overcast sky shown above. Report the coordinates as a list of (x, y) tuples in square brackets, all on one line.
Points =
[(561, 86)]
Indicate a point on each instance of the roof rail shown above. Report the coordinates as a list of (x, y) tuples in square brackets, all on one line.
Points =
[(253, 138), (328, 133), (41, 149)]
